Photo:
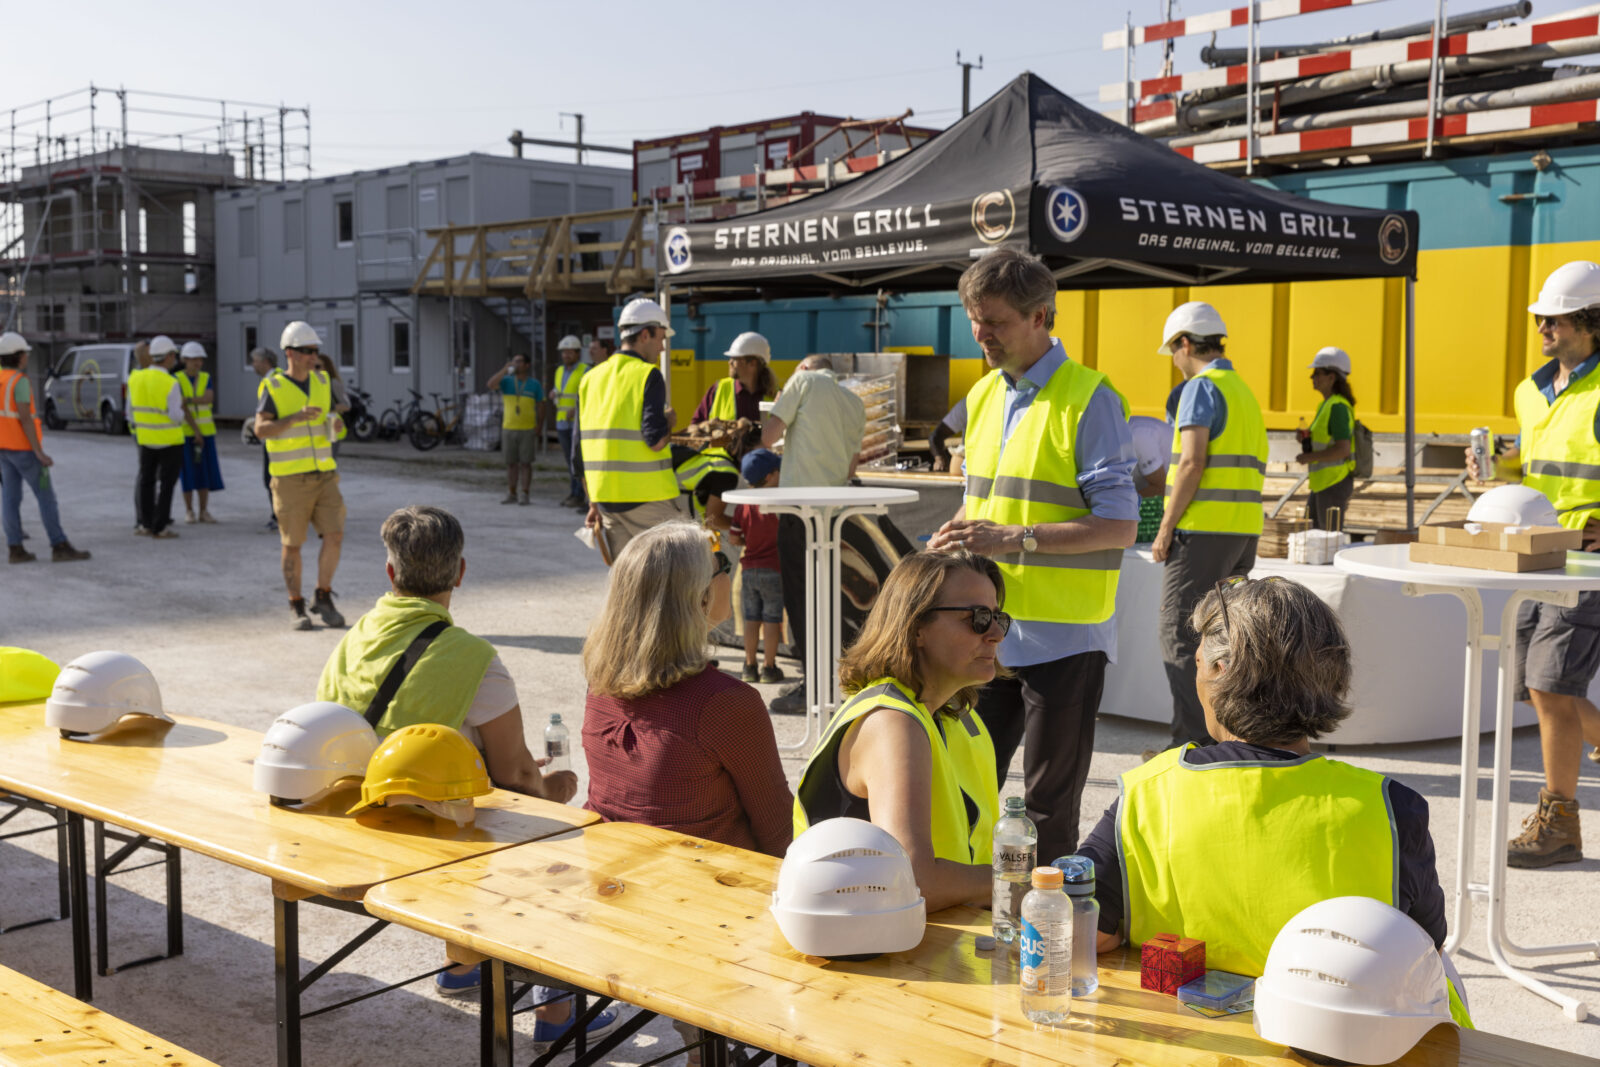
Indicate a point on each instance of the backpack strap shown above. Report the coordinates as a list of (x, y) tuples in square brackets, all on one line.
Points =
[(402, 667)]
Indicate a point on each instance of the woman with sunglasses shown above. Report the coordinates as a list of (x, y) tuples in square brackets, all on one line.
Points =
[(1330, 454), (906, 751), (1229, 842)]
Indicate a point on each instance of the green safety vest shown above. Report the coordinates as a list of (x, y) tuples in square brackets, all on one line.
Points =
[(566, 392), (1560, 456), (966, 796), (25, 675), (442, 684), (618, 467), (1034, 480), (202, 412), (148, 390), (692, 471), (304, 447), (1229, 497), (1329, 474)]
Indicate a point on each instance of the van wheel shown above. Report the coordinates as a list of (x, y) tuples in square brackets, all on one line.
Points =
[(111, 420), (52, 418)]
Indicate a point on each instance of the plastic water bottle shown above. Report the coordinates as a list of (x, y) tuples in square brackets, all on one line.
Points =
[(1046, 974), (556, 745), (1077, 878), (1015, 842)]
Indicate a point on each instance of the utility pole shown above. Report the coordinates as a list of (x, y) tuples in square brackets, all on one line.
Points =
[(579, 117), (966, 82)]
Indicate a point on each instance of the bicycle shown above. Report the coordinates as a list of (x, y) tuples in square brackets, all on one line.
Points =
[(428, 429), (398, 420)]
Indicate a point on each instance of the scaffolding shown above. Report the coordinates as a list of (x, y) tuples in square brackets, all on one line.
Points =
[(106, 216)]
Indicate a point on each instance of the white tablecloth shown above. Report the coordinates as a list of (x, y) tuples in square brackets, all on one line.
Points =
[(1409, 653)]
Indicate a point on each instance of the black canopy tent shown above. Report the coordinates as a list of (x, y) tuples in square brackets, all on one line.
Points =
[(1030, 168)]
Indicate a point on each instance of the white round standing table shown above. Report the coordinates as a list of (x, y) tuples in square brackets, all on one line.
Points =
[(824, 510), (1391, 563)]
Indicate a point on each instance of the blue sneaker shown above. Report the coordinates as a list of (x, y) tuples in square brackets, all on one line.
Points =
[(459, 985), (546, 1034)]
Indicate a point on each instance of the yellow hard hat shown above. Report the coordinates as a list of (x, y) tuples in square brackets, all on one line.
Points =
[(25, 674), (427, 761)]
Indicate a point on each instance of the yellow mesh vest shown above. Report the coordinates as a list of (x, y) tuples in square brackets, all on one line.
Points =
[(304, 447), (1560, 456), (147, 396), (566, 391), (1229, 497)]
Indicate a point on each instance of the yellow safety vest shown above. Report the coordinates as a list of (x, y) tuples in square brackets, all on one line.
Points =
[(618, 467), (724, 405), (1560, 456), (1034, 481), (25, 675), (202, 412), (966, 796), (566, 392), (1329, 474), (304, 447), (442, 684), (1229, 852), (692, 471), (1229, 497), (148, 390), (519, 411)]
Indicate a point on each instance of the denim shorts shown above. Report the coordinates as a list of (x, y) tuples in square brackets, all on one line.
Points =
[(763, 595)]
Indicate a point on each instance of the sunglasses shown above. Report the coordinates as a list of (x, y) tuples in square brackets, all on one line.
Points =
[(1541, 321), (304, 351), (981, 618), (1226, 584)]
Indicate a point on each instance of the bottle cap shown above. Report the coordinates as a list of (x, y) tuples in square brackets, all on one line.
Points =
[(1014, 804), (1046, 878), (1077, 874), (984, 943), (555, 718)]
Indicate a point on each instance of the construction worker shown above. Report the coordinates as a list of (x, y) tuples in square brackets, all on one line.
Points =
[(292, 418), (1558, 649), (521, 396), (160, 421), (623, 426), (1050, 498), (739, 395), (1213, 516), (263, 361), (200, 472), (565, 398), (1331, 453), (23, 460)]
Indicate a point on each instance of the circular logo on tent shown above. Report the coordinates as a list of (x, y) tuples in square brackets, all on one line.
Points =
[(678, 254), (1394, 239), (1067, 213), (993, 216)]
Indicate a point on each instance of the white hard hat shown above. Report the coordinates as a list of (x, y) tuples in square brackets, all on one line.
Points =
[(1197, 318), (193, 350), (846, 889), (751, 343), (640, 313), (1332, 358), (1514, 505), (569, 341), (12, 342), (1351, 979), (162, 345), (1570, 287), (94, 691), (310, 749), (299, 334)]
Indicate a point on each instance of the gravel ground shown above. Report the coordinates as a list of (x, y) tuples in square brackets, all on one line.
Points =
[(207, 613)]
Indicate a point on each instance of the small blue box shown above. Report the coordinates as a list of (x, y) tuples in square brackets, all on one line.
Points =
[(1217, 990)]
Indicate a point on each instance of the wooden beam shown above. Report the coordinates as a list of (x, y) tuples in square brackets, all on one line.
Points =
[(631, 238)]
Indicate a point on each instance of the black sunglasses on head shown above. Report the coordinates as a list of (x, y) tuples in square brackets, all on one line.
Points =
[(981, 618)]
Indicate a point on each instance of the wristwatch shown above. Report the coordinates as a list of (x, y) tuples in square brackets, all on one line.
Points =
[(1029, 543)]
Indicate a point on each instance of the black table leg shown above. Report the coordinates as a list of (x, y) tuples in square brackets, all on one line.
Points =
[(286, 969), (494, 1016), (102, 941), (174, 901), (78, 861)]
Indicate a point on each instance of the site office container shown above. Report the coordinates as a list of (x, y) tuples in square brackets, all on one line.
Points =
[(1492, 228)]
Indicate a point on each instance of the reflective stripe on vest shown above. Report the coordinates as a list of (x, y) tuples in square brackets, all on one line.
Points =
[(1331, 473), (692, 471), (147, 397), (618, 467), (966, 797), (303, 447), (12, 437), (519, 411), (1033, 481), (566, 392), (442, 684), (1228, 499), (202, 412), (1229, 852), (1560, 456)]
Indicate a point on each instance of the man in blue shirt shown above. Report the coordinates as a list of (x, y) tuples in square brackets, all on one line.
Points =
[(1049, 703)]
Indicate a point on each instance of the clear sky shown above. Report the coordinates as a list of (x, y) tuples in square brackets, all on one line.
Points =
[(389, 82)]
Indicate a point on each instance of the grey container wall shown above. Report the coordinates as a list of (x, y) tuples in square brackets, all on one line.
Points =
[(282, 255)]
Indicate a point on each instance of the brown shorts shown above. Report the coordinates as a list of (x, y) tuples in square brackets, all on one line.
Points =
[(312, 498), (518, 445)]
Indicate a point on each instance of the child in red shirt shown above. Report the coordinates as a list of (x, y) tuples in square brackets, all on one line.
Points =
[(762, 588)]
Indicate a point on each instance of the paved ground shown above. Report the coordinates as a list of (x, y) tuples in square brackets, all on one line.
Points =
[(207, 613)]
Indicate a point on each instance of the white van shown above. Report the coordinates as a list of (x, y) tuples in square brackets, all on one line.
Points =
[(89, 383)]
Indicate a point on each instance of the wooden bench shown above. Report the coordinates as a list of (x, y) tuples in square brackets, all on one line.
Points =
[(40, 1025)]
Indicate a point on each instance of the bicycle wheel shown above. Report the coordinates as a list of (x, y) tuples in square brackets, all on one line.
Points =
[(389, 425), (426, 432), (363, 427)]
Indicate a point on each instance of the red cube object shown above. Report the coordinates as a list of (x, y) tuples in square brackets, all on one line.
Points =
[(1167, 961)]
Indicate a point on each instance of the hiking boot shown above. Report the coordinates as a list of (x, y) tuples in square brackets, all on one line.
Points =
[(1550, 835), (772, 675), (299, 620), (510, 498), (749, 674), (323, 606), (571, 501), (21, 555), (791, 701), (63, 552)]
